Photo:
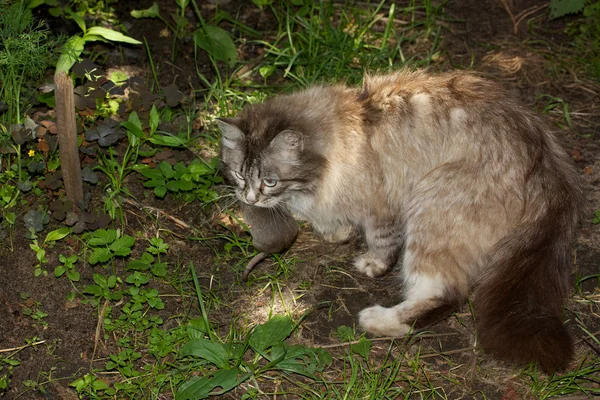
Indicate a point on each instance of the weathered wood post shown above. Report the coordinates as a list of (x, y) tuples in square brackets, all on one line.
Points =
[(67, 139)]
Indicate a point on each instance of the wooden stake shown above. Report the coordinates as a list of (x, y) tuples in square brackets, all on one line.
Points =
[(67, 139)]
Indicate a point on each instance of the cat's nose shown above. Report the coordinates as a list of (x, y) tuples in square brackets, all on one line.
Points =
[(251, 197)]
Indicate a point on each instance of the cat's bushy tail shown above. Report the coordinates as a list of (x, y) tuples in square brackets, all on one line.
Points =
[(519, 304)]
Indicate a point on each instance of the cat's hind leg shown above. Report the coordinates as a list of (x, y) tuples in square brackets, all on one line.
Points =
[(446, 238), (428, 299)]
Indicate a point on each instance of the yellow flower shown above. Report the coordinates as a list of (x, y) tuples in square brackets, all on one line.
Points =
[(31, 153)]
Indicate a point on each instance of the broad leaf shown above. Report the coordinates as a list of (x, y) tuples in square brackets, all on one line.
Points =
[(70, 54), (201, 387), (73, 275), (122, 246), (169, 141), (94, 290), (57, 234), (196, 328), (102, 237), (137, 279), (172, 186), (560, 8), (159, 269), (110, 35), (133, 128), (154, 119), (210, 351), (150, 173), (138, 265), (297, 359), (217, 43), (363, 347), (152, 12), (182, 3), (166, 169), (154, 183), (100, 255), (274, 331), (185, 185), (160, 191), (78, 19)]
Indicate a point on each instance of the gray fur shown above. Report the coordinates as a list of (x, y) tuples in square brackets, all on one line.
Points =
[(447, 172)]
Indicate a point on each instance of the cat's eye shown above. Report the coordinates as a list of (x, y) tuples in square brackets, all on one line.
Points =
[(270, 182), (238, 175)]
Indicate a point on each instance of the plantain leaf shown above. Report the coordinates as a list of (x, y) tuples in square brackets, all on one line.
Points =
[(70, 54), (217, 43), (274, 331), (201, 387), (110, 35), (152, 12), (210, 351)]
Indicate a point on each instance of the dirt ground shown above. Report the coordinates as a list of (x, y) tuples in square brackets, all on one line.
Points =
[(480, 34)]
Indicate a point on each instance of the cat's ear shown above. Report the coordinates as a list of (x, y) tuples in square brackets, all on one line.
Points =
[(288, 145), (231, 136)]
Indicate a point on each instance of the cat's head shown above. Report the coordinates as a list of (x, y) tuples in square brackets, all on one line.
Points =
[(269, 157)]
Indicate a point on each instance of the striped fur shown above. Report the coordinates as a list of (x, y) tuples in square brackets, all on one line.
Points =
[(447, 174)]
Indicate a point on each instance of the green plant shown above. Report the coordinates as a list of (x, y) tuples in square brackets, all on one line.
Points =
[(26, 50), (209, 37), (6, 368), (194, 181), (157, 246), (33, 310), (178, 18), (67, 266), (97, 10), (557, 104), (560, 8), (40, 249), (102, 289), (123, 362), (575, 381), (596, 218), (115, 171), (88, 386), (106, 244), (8, 199), (586, 35), (75, 44), (319, 42), (165, 178), (227, 365)]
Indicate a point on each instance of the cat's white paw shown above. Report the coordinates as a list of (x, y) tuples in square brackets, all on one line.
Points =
[(370, 266), (382, 321)]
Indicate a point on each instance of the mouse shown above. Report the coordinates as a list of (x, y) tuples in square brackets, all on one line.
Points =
[(272, 230)]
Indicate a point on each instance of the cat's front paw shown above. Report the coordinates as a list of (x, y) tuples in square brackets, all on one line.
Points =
[(382, 321), (370, 266)]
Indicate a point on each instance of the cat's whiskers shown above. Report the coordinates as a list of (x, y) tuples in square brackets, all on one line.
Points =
[(279, 213), (306, 212)]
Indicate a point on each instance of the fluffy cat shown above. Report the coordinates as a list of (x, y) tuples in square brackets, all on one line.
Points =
[(446, 174)]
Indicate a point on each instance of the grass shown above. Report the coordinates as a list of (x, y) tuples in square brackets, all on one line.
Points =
[(173, 319)]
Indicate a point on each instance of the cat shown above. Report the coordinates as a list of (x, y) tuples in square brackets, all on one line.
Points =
[(446, 175)]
